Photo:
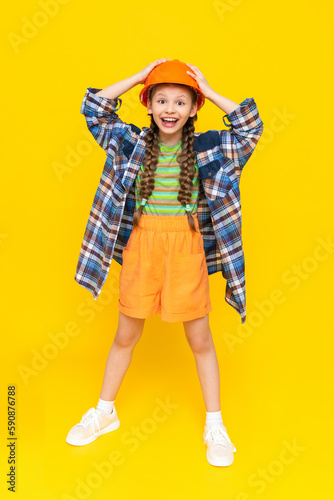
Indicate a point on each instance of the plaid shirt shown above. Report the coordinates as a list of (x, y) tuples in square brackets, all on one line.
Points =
[(221, 156)]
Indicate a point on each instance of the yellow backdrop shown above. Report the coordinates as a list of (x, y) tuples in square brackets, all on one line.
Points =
[(276, 368)]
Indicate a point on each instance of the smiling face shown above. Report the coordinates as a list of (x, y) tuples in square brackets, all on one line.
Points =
[(171, 105)]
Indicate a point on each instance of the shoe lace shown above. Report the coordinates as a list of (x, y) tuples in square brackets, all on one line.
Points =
[(217, 435), (91, 417)]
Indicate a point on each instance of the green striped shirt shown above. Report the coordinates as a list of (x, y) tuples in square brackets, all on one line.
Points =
[(163, 200)]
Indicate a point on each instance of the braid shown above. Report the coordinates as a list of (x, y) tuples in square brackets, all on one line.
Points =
[(150, 164), (186, 160)]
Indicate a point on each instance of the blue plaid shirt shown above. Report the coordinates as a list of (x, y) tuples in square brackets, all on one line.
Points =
[(221, 156)]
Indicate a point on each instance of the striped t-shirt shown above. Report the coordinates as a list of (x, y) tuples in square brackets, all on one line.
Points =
[(163, 200)]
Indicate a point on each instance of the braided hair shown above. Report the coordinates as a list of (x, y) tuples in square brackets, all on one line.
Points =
[(186, 159)]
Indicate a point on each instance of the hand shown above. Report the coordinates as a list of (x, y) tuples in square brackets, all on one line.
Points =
[(202, 82), (142, 75)]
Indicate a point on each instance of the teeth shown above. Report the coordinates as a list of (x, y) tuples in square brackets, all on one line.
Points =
[(170, 119)]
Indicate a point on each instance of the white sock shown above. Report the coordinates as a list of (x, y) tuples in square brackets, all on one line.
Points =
[(105, 406), (214, 417)]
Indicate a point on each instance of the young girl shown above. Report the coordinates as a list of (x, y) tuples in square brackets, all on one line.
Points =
[(164, 265)]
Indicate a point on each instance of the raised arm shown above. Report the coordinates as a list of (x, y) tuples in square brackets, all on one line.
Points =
[(119, 88), (102, 120), (245, 130), (245, 127), (99, 107), (225, 104)]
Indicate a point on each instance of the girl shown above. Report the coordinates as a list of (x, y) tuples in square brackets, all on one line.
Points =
[(164, 267)]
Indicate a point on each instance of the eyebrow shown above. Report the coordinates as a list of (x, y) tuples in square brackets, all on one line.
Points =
[(161, 93)]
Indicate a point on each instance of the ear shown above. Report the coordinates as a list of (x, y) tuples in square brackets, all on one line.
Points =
[(193, 110), (149, 107)]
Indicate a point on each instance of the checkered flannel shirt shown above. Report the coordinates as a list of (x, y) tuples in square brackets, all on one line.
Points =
[(221, 156)]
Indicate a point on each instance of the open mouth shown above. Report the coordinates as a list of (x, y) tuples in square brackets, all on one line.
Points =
[(169, 122)]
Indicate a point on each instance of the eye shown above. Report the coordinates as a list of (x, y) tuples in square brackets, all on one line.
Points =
[(177, 101)]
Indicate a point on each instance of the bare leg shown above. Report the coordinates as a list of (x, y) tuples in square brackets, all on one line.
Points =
[(128, 333), (199, 338)]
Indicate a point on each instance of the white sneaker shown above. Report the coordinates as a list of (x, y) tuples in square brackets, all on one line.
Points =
[(93, 424), (220, 449)]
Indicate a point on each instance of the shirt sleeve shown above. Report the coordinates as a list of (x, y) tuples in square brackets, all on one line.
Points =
[(103, 122), (245, 130)]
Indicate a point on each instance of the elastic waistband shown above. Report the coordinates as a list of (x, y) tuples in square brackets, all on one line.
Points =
[(167, 222)]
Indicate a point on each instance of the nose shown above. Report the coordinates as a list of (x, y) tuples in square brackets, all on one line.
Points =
[(170, 107)]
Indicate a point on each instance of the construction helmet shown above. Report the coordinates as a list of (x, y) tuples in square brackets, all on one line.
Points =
[(173, 71)]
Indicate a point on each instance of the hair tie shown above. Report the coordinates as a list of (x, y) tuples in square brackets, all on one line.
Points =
[(143, 201), (188, 207)]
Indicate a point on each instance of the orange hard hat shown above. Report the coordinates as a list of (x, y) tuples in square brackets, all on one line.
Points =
[(173, 71)]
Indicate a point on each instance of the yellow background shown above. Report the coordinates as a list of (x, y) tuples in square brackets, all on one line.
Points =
[(276, 386)]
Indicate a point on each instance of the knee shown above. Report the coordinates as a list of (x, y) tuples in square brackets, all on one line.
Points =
[(129, 331), (200, 343), (127, 338)]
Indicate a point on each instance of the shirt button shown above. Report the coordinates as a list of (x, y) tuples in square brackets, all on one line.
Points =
[(209, 174)]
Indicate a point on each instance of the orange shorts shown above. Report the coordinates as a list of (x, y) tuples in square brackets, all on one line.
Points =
[(164, 270)]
